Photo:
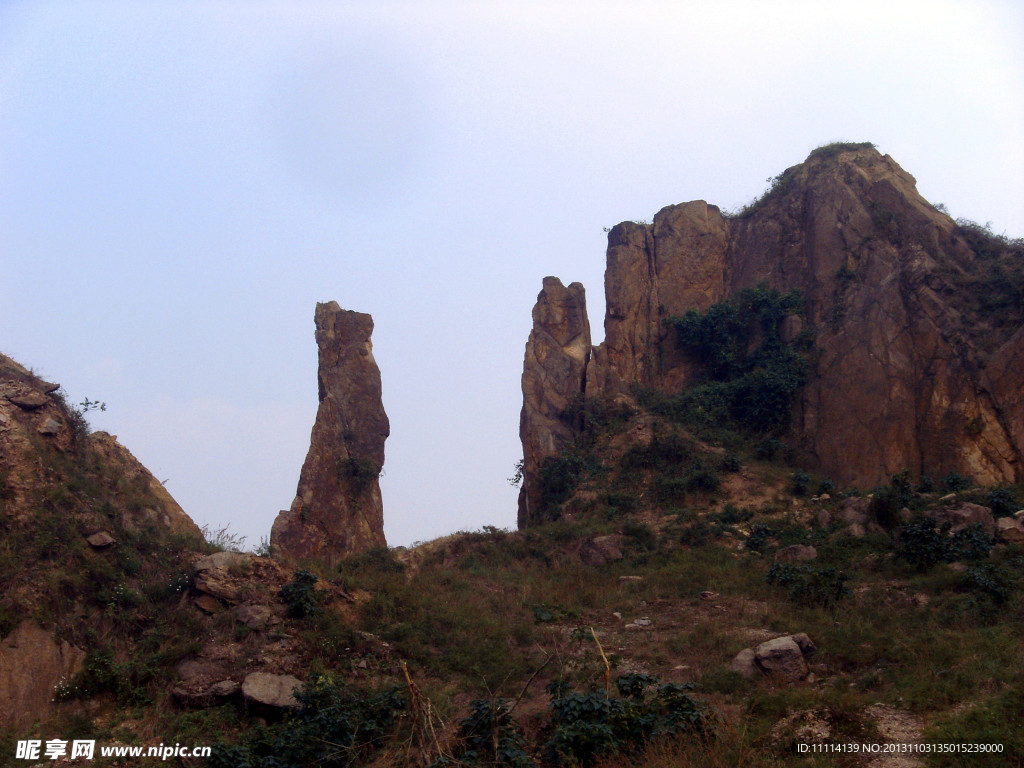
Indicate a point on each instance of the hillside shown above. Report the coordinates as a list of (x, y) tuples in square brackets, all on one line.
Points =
[(714, 568)]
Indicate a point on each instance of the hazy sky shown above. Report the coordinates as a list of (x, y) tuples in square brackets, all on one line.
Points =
[(181, 182)]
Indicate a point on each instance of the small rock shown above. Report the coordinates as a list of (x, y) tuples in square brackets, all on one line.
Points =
[(100, 540), (49, 427), (796, 553), (707, 594), (627, 580), (1010, 530), (617, 615), (208, 604), (223, 560), (804, 643), (254, 616), (643, 622), (225, 688), (362, 664)]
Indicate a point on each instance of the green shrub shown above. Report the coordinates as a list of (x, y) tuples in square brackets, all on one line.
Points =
[(753, 386), (824, 587), (490, 737), (924, 543), (302, 597), (954, 481), (336, 727), (587, 726), (1003, 501), (799, 482)]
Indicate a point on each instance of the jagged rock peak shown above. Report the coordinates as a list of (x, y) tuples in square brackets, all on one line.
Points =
[(911, 367), (554, 371), (338, 508)]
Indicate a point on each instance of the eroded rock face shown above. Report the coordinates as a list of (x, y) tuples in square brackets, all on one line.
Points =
[(906, 374), (338, 508), (32, 664), (557, 353)]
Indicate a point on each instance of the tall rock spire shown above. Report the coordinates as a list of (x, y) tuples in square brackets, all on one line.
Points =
[(554, 375), (338, 508)]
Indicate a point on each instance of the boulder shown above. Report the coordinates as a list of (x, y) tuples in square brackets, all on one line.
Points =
[(964, 514), (277, 691), (1010, 530), (601, 550), (782, 658)]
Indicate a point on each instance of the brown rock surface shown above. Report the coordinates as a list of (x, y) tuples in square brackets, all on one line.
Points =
[(338, 508), (556, 359), (31, 666)]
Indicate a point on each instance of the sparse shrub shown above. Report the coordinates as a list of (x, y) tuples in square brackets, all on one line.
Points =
[(926, 485), (730, 463), (359, 473), (759, 537), (923, 543), (992, 584), (702, 478), (954, 482), (490, 737), (824, 587), (302, 597), (826, 486), (768, 448), (1003, 501), (799, 482)]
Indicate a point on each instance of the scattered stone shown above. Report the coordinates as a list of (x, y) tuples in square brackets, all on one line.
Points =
[(255, 616), (630, 579), (217, 583), (804, 643), (100, 540), (965, 514), (222, 560), (617, 615), (208, 604), (1010, 530), (225, 688), (707, 594), (643, 622), (796, 553), (276, 691), (601, 550), (50, 426)]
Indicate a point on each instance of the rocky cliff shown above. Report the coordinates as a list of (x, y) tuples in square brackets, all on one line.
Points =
[(337, 509), (917, 322)]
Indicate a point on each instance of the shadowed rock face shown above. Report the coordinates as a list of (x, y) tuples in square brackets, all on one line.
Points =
[(906, 374), (337, 508)]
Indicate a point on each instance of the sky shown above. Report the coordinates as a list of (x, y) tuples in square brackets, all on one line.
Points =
[(180, 183)]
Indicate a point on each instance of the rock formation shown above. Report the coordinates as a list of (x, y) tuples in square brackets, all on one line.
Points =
[(912, 368), (553, 375), (337, 509)]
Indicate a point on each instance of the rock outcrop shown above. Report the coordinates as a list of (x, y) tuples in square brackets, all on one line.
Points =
[(553, 378), (911, 369), (37, 426), (338, 509)]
